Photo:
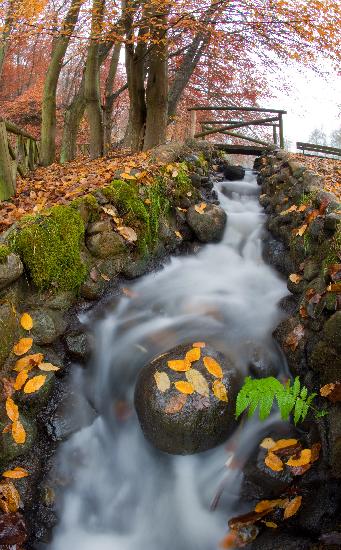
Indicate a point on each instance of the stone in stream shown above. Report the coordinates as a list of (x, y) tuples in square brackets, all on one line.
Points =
[(10, 270), (208, 224), (233, 173), (185, 399)]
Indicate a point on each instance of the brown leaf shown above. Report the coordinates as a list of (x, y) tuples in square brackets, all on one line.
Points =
[(200, 207), (303, 459), (285, 447), (332, 392), (16, 473), (294, 278), (312, 215), (198, 382), (294, 337), (162, 381), (9, 497), (35, 383), (264, 505), (273, 462), (292, 208), (178, 234), (8, 387), (20, 380), (292, 507), (179, 365), (301, 230), (246, 519), (26, 321), (127, 233), (220, 391), (12, 409), (315, 452), (336, 287), (267, 443), (28, 362), (193, 355), (23, 346), (176, 403), (213, 367), (18, 432), (184, 387)]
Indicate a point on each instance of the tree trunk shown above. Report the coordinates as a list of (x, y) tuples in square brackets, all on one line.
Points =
[(48, 125), (109, 97), (5, 34), (91, 83), (157, 84)]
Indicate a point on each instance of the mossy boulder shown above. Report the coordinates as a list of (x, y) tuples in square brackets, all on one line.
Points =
[(103, 245), (332, 330), (8, 329), (11, 267), (185, 412), (9, 449), (208, 224)]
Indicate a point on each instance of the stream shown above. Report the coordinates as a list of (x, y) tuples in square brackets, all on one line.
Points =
[(120, 493)]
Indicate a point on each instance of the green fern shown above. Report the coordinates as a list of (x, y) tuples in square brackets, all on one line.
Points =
[(263, 392)]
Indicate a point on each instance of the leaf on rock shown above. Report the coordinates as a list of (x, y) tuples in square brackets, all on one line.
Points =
[(200, 207), (9, 497), (284, 444), (35, 383), (48, 367), (23, 346), (269, 505), (312, 215), (213, 367), (294, 278), (199, 345), (162, 381), (179, 365), (193, 355), (336, 287), (303, 459), (184, 387), (12, 409), (28, 362), (176, 403), (20, 380), (198, 382), (292, 507), (18, 432), (292, 208), (301, 230), (270, 524), (16, 473), (294, 337), (178, 234), (219, 390), (267, 443), (26, 321), (127, 233), (273, 462), (332, 392)]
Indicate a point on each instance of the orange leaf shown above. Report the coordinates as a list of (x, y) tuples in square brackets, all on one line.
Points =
[(193, 355), (18, 432), (28, 361), (274, 462), (9, 497), (264, 505), (292, 507), (35, 383), (200, 208), (23, 346), (176, 403), (20, 380), (283, 444), (301, 230), (303, 459), (16, 473), (26, 321), (294, 278), (213, 367), (219, 390), (199, 345), (179, 365), (12, 409), (184, 387)]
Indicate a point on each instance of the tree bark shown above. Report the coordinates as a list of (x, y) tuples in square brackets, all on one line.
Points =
[(72, 119), (48, 125), (5, 34), (109, 97)]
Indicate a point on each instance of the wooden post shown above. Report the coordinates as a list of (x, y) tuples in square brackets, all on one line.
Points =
[(193, 123), (7, 182), (274, 133), (281, 131)]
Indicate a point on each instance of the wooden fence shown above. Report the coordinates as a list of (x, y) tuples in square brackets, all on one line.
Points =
[(19, 153), (311, 149), (227, 127)]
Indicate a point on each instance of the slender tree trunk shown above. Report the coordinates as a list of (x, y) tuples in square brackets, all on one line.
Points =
[(109, 97), (72, 119), (48, 125), (5, 34), (91, 83)]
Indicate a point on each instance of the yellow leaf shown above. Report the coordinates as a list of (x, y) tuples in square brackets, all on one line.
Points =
[(184, 387), (23, 346), (213, 367), (18, 432), (193, 355), (200, 207), (179, 365), (16, 473), (162, 381), (12, 409), (26, 321), (283, 444), (271, 524), (219, 390), (303, 459), (20, 380), (292, 208), (301, 230), (292, 507), (28, 362), (48, 367), (294, 278), (274, 462), (9, 497), (35, 383), (178, 234), (199, 344), (198, 381), (127, 177)]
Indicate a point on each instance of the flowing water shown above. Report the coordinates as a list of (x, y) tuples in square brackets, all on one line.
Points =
[(122, 493)]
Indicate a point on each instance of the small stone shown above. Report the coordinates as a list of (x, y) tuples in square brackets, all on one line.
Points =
[(99, 227), (297, 169), (196, 180), (48, 325), (10, 270), (102, 245), (208, 225), (78, 346)]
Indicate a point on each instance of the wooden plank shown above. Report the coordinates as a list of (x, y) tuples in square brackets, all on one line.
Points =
[(241, 149), (318, 148), (7, 182), (193, 124), (229, 108), (248, 138), (14, 129), (281, 131), (256, 122), (213, 122)]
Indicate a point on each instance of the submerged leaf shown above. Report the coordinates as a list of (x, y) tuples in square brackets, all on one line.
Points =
[(176, 403), (162, 381), (198, 382)]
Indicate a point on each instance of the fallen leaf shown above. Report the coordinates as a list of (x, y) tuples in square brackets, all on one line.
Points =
[(28, 361), (284, 444), (48, 367), (270, 524), (127, 176), (332, 392), (301, 230), (304, 312), (315, 452), (7, 428), (129, 293), (12, 409), (162, 381), (23, 346), (8, 387), (246, 519), (230, 541), (334, 287), (9, 497), (213, 367), (16, 473), (176, 403), (292, 507), (302, 208), (294, 337), (198, 382), (26, 321), (20, 380), (193, 355), (294, 278), (105, 277), (264, 505), (292, 208), (273, 462), (219, 390), (312, 215), (127, 233), (110, 211), (200, 207), (35, 383), (178, 234), (179, 365), (199, 345), (18, 432), (184, 387), (303, 459)]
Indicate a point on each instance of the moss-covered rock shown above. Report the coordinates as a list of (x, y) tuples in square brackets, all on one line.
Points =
[(4, 252), (332, 330), (88, 208), (11, 268), (8, 329), (49, 245), (9, 449)]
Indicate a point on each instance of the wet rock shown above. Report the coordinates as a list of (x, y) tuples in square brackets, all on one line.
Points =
[(92, 290), (178, 423), (32, 403), (331, 221), (10, 270), (334, 437), (135, 267), (316, 229), (61, 301), (209, 225), (73, 413), (332, 331), (196, 180), (320, 509), (78, 346), (279, 541), (102, 245), (275, 253), (12, 530), (9, 449), (233, 173), (311, 269), (8, 330), (327, 361), (102, 226), (167, 235), (48, 325), (297, 169)]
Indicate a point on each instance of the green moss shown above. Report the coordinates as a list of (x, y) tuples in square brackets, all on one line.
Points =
[(4, 252), (89, 204), (203, 163), (49, 245)]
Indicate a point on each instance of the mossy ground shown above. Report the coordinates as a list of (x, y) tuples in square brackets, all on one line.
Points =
[(4, 252)]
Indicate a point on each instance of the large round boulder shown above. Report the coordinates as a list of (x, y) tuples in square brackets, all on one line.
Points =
[(185, 399), (207, 223), (234, 173), (10, 270)]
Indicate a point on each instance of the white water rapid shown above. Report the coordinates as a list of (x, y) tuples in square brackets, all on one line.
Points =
[(122, 494)]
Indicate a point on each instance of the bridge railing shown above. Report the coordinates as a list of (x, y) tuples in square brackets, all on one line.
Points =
[(19, 153), (227, 127), (310, 149)]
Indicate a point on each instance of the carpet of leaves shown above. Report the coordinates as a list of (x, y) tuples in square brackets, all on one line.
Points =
[(60, 184), (329, 169)]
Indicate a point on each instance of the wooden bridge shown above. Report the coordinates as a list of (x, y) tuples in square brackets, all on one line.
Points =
[(228, 127)]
